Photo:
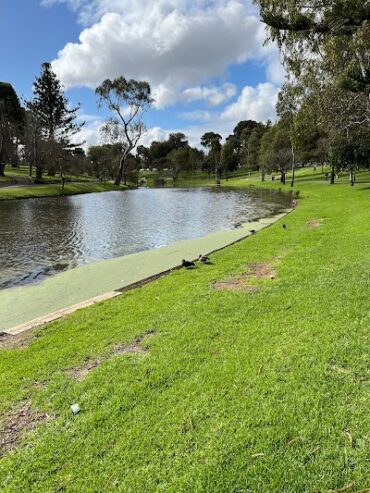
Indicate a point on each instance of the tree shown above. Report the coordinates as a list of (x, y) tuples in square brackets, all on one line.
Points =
[(252, 150), (120, 95), (11, 123), (229, 156), (177, 141), (212, 142), (180, 160), (104, 160), (325, 46), (52, 123)]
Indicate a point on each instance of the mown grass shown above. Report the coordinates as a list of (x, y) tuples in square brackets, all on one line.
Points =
[(264, 391), (23, 171), (55, 190)]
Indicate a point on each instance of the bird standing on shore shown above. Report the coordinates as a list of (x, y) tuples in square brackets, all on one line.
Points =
[(204, 259), (187, 264)]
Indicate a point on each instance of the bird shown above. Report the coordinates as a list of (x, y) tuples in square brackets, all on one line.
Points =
[(284, 226), (187, 264), (253, 231), (204, 259)]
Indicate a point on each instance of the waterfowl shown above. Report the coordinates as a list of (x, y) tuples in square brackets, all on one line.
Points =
[(253, 231), (187, 264), (284, 226), (204, 259)]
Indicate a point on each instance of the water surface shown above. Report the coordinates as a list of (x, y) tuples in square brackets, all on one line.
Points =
[(41, 237)]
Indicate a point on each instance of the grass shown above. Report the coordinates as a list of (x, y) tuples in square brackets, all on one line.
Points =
[(23, 171), (54, 190), (264, 391)]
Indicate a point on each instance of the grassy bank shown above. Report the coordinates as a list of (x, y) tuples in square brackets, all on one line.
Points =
[(54, 190), (261, 385)]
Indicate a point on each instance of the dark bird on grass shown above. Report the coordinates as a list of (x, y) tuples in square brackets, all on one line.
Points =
[(253, 231), (284, 226), (204, 259), (187, 264)]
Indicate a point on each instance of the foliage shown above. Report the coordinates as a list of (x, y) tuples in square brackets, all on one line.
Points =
[(128, 100)]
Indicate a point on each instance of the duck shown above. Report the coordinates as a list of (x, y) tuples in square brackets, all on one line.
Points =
[(204, 259), (253, 231), (284, 226), (187, 264)]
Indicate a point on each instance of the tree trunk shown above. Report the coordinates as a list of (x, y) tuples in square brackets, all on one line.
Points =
[(352, 178), (121, 171), (2, 169), (293, 168), (332, 175), (38, 174)]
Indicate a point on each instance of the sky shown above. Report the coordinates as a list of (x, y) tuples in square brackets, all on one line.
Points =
[(204, 59)]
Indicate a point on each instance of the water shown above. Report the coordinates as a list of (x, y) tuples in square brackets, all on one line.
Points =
[(41, 237)]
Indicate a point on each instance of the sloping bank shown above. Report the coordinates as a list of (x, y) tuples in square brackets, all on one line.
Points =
[(60, 294)]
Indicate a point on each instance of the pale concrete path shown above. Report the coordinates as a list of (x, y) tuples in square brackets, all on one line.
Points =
[(26, 307)]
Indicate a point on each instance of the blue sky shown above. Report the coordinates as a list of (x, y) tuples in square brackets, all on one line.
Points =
[(204, 59)]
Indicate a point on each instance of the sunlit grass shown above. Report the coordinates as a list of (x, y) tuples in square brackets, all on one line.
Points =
[(54, 190)]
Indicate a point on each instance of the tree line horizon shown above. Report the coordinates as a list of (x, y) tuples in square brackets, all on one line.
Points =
[(323, 111)]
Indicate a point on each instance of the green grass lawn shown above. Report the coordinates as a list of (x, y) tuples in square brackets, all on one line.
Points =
[(261, 390), (23, 171), (54, 190)]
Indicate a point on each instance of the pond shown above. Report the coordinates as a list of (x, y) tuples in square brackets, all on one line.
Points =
[(41, 237)]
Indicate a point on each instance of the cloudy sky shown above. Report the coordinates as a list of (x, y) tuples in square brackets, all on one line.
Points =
[(204, 59)]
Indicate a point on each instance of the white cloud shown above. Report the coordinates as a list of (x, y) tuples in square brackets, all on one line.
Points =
[(174, 44), (254, 103), (213, 96), (197, 115)]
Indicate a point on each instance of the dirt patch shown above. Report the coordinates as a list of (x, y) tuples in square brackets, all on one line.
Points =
[(240, 283), (256, 271), (264, 270), (314, 223), (17, 423), (135, 347), (20, 341)]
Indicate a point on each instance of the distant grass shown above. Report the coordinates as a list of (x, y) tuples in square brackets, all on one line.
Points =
[(55, 190), (23, 171), (248, 392)]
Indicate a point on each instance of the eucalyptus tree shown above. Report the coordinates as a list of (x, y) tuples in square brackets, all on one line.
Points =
[(128, 100), (325, 45)]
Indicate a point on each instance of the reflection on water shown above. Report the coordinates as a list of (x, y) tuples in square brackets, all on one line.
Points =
[(40, 237)]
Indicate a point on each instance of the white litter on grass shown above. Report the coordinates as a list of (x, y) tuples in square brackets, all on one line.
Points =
[(75, 408)]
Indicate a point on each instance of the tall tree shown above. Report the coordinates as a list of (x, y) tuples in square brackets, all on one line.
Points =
[(56, 121), (11, 122), (128, 100), (212, 142)]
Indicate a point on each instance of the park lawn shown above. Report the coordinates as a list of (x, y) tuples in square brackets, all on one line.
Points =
[(23, 171), (262, 390), (54, 190)]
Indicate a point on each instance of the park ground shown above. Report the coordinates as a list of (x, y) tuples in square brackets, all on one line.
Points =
[(247, 375)]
